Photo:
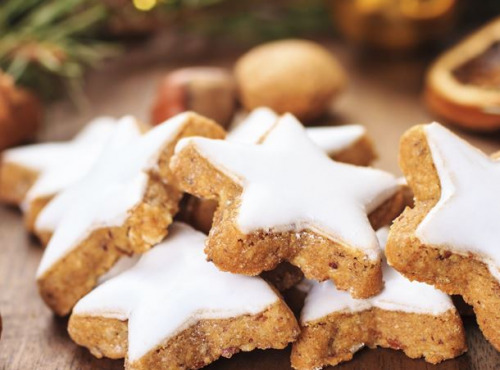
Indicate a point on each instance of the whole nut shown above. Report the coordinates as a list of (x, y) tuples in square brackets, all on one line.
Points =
[(296, 76), (20, 113), (209, 91)]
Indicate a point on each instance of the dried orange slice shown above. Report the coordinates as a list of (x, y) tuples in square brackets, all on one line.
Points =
[(463, 85), (393, 24)]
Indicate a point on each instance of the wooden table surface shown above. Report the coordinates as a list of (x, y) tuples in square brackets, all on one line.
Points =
[(383, 95)]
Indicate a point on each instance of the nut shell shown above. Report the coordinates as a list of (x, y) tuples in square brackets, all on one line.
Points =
[(296, 76)]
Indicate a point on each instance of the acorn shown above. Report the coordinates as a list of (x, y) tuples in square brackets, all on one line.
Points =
[(296, 76), (209, 91)]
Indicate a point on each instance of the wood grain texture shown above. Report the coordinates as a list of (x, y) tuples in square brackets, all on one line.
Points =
[(384, 96)]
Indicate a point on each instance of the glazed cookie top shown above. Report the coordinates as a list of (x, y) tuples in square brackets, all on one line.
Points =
[(332, 139), (399, 294), (41, 157), (60, 164), (253, 127), (112, 187), (64, 163), (299, 186), (465, 219), (172, 287)]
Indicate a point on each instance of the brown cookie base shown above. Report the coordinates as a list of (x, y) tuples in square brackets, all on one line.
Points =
[(195, 347), (318, 257), (336, 337), (36, 206), (450, 272), (15, 181)]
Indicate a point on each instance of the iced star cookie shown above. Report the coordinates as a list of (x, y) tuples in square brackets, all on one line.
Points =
[(411, 316), (122, 206), (31, 175), (175, 310), (348, 143), (450, 238), (285, 199)]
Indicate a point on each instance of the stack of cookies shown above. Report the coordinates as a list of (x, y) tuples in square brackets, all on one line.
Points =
[(168, 246)]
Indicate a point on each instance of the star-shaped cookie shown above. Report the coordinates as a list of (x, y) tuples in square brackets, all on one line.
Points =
[(122, 206), (174, 308), (335, 326), (285, 199), (451, 237), (31, 175), (347, 143)]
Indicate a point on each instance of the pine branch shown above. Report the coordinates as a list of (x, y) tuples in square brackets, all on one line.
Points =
[(48, 44)]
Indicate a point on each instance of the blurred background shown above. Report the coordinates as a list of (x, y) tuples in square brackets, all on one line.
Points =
[(44, 39), (72, 60)]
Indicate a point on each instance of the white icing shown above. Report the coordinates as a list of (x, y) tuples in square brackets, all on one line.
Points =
[(36, 157), (465, 219), (60, 164), (291, 184), (123, 264), (402, 181), (104, 197), (399, 294), (254, 126), (172, 287), (75, 163), (332, 139)]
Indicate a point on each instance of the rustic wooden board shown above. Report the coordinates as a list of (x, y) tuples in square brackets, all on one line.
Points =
[(384, 96)]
